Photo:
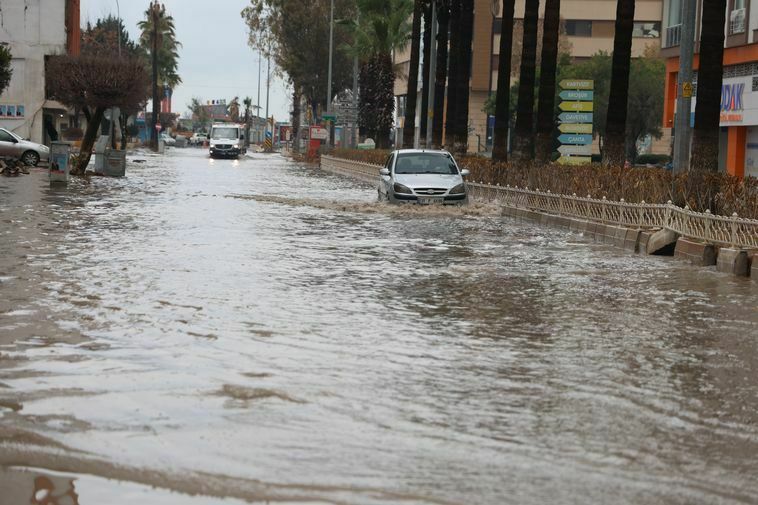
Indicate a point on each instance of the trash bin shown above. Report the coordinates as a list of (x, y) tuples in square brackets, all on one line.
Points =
[(60, 156), (115, 163)]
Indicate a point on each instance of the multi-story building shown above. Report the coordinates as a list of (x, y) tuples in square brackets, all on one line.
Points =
[(738, 147), (589, 28), (33, 31)]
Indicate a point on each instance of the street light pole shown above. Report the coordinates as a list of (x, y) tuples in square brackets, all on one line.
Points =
[(682, 129), (432, 76)]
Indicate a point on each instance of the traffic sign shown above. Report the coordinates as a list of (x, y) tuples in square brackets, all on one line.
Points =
[(567, 138), (577, 94), (328, 117), (687, 90), (580, 150), (577, 84), (576, 106), (575, 117), (575, 128), (158, 126), (575, 160)]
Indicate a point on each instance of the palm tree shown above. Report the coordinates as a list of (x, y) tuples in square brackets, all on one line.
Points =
[(548, 66), (409, 125), (425, 81), (502, 99), (158, 38), (234, 109), (440, 78), (614, 152), (248, 103), (522, 149), (463, 78), (381, 28), (705, 135)]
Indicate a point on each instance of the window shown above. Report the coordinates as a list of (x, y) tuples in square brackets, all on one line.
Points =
[(675, 12), (579, 28), (5, 136), (647, 29), (737, 17), (425, 163)]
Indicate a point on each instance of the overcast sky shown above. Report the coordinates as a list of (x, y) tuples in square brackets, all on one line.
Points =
[(215, 61)]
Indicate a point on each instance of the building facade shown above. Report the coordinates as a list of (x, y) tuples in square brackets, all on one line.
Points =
[(589, 27), (34, 30), (738, 147)]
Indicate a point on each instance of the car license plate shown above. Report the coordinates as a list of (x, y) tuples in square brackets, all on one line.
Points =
[(429, 201)]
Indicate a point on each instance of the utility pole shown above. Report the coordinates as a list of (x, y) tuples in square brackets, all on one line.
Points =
[(258, 103), (682, 129), (354, 115), (432, 76), (329, 74), (154, 14)]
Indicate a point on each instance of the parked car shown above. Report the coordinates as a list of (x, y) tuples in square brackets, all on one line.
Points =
[(168, 139), (423, 177), (198, 139), (13, 146)]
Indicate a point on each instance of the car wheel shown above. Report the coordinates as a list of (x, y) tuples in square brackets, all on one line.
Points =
[(30, 158)]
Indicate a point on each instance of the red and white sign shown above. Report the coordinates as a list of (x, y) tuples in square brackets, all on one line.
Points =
[(319, 133), (158, 126)]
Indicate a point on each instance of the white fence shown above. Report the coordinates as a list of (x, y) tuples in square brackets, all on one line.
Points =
[(722, 230)]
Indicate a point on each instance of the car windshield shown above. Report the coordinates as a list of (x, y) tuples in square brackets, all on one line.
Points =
[(425, 163), (225, 133)]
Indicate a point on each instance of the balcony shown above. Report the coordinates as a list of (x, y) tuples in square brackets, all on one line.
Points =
[(673, 36)]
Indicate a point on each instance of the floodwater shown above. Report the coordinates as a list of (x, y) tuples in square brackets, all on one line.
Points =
[(224, 332)]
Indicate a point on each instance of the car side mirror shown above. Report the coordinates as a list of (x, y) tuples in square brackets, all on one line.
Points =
[(465, 172), (384, 171)]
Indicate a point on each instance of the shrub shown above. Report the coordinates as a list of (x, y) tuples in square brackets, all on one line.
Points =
[(653, 159), (721, 193)]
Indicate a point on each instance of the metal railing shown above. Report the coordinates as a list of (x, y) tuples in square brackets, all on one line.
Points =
[(721, 230)]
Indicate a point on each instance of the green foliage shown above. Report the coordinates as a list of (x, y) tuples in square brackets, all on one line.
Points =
[(5, 67), (199, 112), (295, 34), (653, 159), (645, 106), (381, 27), (159, 25), (104, 37)]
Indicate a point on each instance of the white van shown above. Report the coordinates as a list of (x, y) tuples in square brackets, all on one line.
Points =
[(226, 140)]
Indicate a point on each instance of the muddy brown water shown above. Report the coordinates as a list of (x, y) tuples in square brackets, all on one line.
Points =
[(255, 330)]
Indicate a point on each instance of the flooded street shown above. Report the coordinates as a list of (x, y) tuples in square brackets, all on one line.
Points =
[(258, 330)]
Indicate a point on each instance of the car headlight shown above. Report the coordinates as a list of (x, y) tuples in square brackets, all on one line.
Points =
[(236, 146), (458, 190), (399, 188)]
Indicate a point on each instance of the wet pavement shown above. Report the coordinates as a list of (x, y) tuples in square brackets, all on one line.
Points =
[(256, 330)]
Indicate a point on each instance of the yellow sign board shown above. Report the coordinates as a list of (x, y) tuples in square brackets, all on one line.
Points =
[(577, 84), (576, 106), (687, 90), (575, 128)]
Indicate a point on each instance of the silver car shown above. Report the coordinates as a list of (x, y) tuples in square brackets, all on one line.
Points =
[(13, 146), (423, 177)]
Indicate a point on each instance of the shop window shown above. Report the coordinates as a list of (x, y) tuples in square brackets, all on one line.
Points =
[(648, 30), (576, 28)]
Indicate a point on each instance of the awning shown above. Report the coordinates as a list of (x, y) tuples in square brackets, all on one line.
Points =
[(54, 105)]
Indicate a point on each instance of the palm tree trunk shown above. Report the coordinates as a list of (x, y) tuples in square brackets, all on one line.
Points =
[(466, 27), (522, 149), (88, 141), (615, 125), (424, 121), (296, 119), (440, 78), (385, 99), (705, 135), (453, 73), (546, 100), (156, 102), (502, 99), (409, 125)]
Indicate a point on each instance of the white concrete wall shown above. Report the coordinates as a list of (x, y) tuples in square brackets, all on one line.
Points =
[(32, 29)]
